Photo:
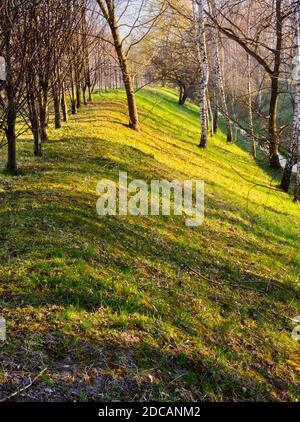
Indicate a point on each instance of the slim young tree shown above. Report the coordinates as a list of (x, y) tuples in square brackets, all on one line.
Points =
[(15, 25), (219, 83), (268, 57), (249, 89), (294, 141), (108, 9), (143, 16), (296, 126), (204, 72), (250, 110)]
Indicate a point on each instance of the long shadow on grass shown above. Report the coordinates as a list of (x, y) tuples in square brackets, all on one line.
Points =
[(138, 273), (126, 368)]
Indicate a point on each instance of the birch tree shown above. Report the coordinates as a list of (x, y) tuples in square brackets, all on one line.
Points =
[(266, 47), (296, 126), (204, 72), (294, 141), (219, 82), (249, 87), (250, 109)]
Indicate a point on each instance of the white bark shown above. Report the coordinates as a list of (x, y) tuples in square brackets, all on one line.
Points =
[(204, 72), (297, 139), (294, 149), (220, 83), (296, 126), (259, 87), (250, 111)]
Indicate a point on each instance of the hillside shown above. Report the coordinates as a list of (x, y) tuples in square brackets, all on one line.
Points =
[(145, 308)]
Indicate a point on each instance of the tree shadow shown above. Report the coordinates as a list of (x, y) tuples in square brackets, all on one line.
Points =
[(152, 308)]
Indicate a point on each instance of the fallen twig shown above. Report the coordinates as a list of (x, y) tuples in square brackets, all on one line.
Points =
[(24, 388), (228, 283)]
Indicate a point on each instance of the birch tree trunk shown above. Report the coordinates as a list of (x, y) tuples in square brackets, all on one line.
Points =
[(273, 133), (220, 83), (250, 110), (297, 188), (215, 123), (204, 72), (293, 148), (259, 86), (273, 71), (296, 127), (294, 141)]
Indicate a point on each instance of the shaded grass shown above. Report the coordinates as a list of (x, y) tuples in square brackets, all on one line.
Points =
[(143, 308)]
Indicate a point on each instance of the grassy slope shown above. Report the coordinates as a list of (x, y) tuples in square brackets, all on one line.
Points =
[(111, 305)]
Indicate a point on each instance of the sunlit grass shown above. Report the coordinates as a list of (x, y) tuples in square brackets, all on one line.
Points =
[(121, 296)]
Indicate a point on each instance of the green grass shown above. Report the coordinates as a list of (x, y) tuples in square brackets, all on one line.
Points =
[(144, 308)]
